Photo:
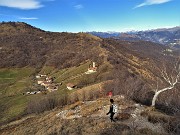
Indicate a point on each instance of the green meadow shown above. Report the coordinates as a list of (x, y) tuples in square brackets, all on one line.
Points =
[(15, 81)]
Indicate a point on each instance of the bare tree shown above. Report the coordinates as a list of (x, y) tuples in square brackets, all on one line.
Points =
[(172, 78)]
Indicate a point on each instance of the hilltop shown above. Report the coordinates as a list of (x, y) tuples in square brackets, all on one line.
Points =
[(127, 68), (27, 46)]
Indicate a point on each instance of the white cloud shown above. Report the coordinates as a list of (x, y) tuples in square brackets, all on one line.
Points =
[(19, 17), (21, 4), (78, 6), (151, 2), (28, 18)]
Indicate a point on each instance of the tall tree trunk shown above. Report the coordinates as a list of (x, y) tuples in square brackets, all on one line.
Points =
[(154, 98), (157, 93)]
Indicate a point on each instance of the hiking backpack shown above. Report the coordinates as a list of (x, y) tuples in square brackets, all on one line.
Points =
[(115, 108)]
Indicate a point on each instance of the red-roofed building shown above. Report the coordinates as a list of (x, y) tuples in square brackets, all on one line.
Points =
[(70, 86)]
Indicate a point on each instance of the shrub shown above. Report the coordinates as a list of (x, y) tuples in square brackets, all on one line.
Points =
[(48, 102)]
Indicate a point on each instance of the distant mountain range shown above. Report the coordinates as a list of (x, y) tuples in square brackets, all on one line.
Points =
[(105, 34), (165, 36)]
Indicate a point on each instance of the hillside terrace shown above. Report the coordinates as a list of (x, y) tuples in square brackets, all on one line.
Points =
[(48, 84)]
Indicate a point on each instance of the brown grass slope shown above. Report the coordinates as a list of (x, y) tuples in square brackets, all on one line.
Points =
[(87, 118), (137, 67), (22, 45)]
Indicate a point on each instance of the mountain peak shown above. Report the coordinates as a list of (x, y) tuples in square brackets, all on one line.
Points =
[(14, 27)]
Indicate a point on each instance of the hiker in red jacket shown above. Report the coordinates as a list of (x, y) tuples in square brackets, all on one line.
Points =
[(111, 110)]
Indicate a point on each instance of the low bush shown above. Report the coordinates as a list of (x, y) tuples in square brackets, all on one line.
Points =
[(48, 102)]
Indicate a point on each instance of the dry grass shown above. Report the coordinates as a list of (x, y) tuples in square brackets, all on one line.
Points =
[(74, 105), (170, 123), (123, 116), (94, 121)]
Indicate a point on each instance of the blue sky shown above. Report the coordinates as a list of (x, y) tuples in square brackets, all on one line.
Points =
[(92, 15)]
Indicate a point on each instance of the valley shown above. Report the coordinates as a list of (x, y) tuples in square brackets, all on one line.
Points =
[(84, 68)]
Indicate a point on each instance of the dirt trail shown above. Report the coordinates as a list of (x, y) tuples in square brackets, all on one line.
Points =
[(135, 121), (89, 116)]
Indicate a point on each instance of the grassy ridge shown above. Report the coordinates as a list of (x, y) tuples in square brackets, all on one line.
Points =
[(13, 82)]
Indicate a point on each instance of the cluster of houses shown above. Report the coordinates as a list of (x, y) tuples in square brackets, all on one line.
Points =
[(45, 81)]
